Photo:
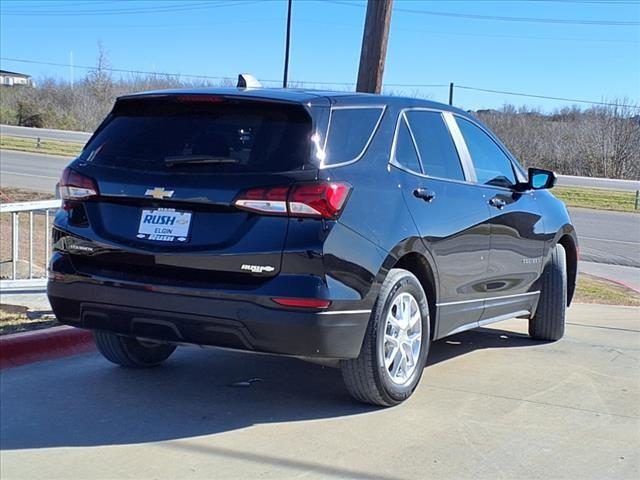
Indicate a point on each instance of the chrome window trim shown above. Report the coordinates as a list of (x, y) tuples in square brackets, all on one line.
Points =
[(442, 179), (382, 109), (397, 164)]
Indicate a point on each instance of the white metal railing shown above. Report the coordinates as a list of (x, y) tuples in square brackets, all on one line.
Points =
[(32, 209)]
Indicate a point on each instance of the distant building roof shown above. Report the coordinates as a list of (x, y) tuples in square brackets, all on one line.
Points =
[(15, 74)]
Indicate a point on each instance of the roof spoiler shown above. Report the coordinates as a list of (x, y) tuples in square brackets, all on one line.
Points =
[(248, 81)]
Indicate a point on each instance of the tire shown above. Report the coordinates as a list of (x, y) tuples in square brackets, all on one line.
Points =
[(367, 378), (130, 352), (548, 322)]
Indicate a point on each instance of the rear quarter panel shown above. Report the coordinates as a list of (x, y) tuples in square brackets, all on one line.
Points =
[(375, 229)]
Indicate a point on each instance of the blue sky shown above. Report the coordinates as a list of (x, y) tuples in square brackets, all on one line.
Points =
[(559, 57)]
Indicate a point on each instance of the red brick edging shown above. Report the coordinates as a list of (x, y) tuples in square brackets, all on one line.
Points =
[(46, 344)]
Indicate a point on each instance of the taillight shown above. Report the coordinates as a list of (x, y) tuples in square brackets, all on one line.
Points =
[(75, 186), (264, 200), (323, 199), (199, 99), (318, 200)]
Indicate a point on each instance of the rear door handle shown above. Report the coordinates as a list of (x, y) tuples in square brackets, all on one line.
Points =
[(424, 193), (497, 202)]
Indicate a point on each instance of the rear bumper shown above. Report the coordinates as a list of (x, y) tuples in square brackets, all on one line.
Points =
[(239, 322)]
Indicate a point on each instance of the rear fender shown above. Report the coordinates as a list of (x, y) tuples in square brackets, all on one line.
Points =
[(409, 246)]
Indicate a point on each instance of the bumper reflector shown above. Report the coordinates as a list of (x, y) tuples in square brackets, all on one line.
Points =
[(302, 302)]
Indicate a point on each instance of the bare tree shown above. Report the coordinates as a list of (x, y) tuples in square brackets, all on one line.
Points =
[(599, 141)]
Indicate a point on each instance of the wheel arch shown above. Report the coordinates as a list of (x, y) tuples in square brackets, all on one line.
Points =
[(569, 242), (415, 258)]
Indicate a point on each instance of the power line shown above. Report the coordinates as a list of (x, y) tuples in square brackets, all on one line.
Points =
[(531, 95), (173, 26), (466, 34), (51, 4), (115, 70), (56, 5), (470, 16), (181, 7), (159, 74), (309, 82)]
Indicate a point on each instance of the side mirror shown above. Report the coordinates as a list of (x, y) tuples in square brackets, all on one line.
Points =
[(540, 179)]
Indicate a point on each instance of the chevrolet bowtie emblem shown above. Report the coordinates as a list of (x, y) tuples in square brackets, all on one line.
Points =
[(159, 192)]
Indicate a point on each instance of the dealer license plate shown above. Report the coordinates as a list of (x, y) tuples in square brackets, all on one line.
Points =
[(164, 225)]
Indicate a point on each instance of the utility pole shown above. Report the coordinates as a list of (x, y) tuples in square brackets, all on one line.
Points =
[(451, 93), (285, 77), (374, 46)]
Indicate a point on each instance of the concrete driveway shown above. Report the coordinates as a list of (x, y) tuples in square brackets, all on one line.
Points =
[(492, 404)]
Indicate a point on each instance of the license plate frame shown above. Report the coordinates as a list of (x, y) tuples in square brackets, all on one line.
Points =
[(165, 225)]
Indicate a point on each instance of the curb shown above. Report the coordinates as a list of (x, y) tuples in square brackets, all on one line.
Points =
[(623, 284), (47, 344), (613, 280)]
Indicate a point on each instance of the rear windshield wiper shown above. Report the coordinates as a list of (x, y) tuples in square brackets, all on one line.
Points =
[(198, 159)]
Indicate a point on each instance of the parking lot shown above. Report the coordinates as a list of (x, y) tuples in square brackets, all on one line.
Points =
[(492, 404)]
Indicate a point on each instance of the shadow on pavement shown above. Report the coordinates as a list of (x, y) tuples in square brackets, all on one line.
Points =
[(477, 339), (86, 401)]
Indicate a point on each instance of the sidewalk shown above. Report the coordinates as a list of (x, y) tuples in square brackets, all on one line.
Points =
[(33, 301)]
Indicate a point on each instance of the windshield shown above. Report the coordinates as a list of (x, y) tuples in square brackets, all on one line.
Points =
[(225, 136)]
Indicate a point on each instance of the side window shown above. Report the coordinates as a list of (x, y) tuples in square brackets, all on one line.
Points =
[(349, 132), (492, 165), (436, 149), (405, 153)]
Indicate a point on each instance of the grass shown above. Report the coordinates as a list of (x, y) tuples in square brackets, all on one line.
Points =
[(15, 318), (597, 198), (592, 289), (51, 147), (12, 194)]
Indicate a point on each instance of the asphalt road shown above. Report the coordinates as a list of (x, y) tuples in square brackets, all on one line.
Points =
[(31, 170), (608, 237), (593, 182), (492, 404), (44, 133)]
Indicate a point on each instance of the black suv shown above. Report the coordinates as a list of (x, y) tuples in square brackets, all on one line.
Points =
[(344, 228)]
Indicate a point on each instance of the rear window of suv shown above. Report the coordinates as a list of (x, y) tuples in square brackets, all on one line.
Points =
[(197, 134)]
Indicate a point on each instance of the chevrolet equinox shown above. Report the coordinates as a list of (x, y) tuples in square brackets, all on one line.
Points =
[(343, 228)]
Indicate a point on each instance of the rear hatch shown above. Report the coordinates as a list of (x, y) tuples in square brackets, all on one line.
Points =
[(168, 170)]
